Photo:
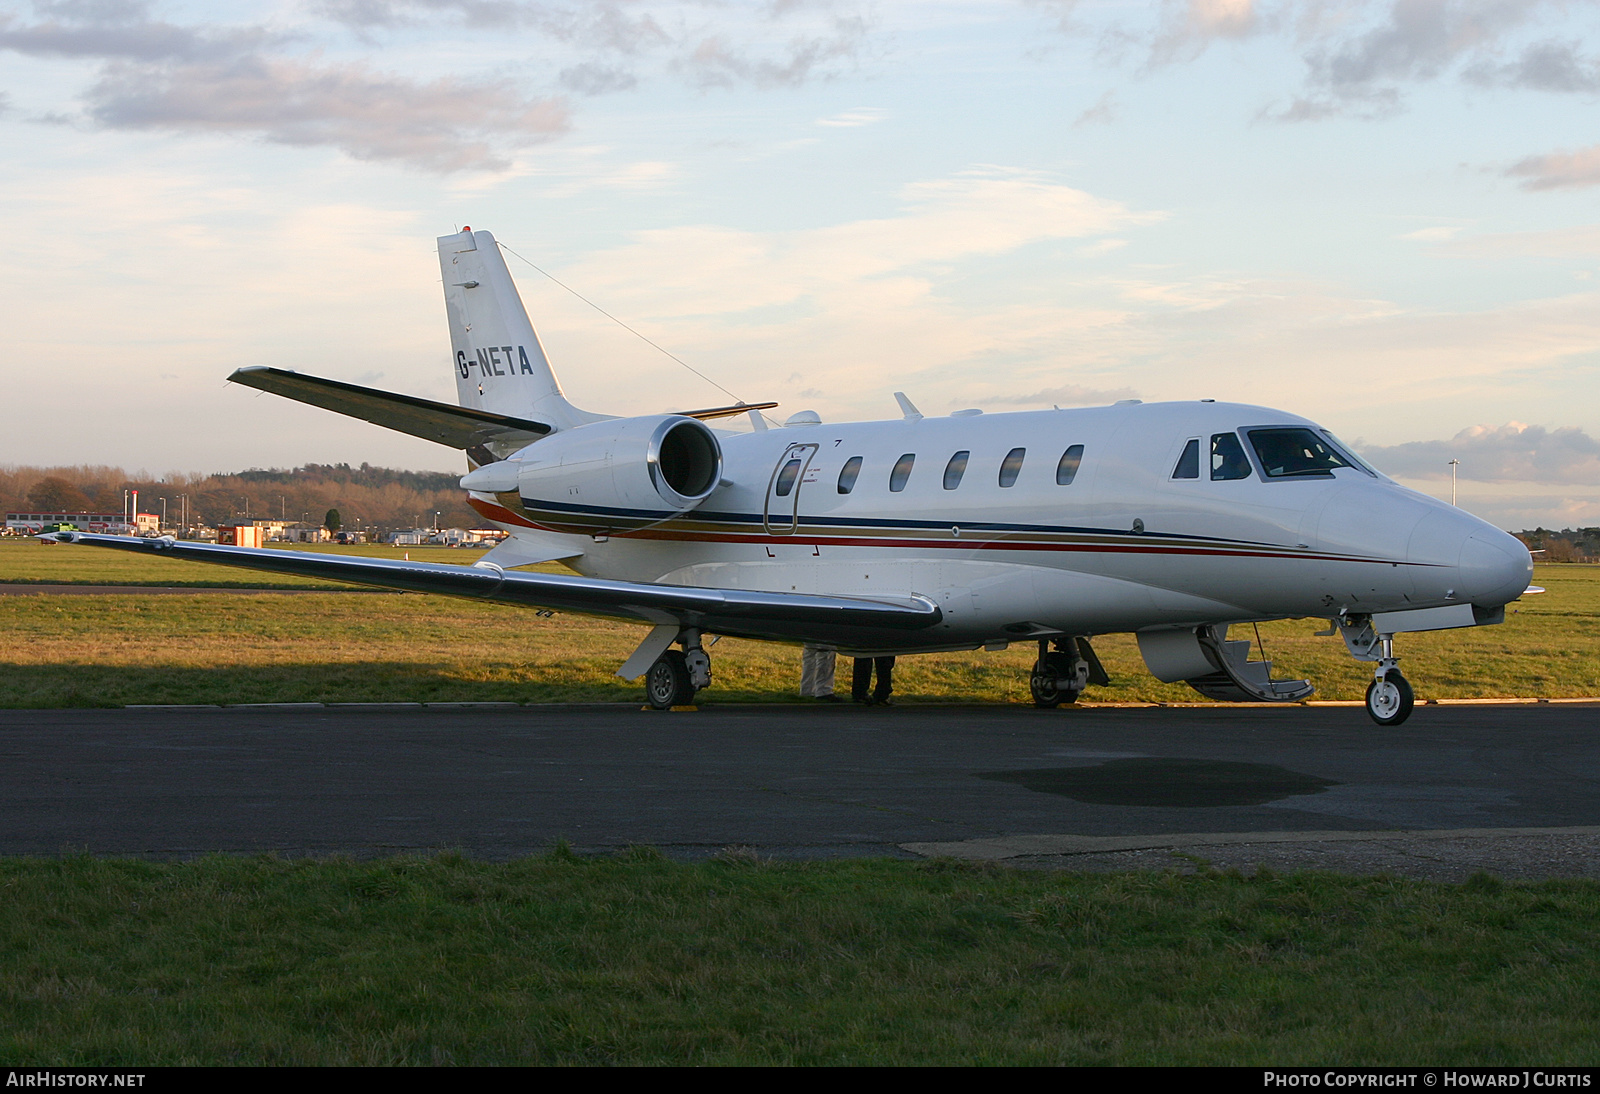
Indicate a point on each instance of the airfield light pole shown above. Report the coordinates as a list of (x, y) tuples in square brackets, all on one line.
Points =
[(163, 512), (1453, 465)]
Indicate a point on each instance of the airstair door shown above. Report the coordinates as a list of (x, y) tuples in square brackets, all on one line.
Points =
[(782, 513)]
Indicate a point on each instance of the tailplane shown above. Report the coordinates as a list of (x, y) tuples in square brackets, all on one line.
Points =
[(499, 364)]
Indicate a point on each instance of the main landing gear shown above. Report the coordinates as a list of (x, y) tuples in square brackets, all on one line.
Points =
[(1389, 696), (678, 674), (1065, 667)]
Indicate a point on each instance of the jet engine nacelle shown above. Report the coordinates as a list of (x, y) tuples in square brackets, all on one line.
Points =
[(622, 463)]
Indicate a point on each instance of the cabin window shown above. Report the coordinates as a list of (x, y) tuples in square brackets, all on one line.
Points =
[(1067, 469), (1011, 466), (901, 472), (786, 477), (1295, 453), (956, 468), (1228, 460), (848, 474), (1188, 463)]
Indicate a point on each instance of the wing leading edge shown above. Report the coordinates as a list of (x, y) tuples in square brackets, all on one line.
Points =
[(739, 612)]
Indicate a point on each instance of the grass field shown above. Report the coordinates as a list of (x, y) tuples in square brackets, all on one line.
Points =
[(635, 960), (58, 651)]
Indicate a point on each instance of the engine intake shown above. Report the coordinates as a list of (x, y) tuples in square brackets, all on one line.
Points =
[(610, 475)]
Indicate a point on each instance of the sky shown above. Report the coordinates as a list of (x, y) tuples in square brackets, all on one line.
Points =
[(1380, 215)]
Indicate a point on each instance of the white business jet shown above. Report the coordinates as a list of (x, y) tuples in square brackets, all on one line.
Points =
[(1168, 520)]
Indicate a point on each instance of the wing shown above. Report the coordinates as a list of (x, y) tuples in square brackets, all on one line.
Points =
[(743, 613), (457, 427)]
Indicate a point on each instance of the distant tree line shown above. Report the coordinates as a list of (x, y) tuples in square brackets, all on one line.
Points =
[(365, 497), (1567, 545)]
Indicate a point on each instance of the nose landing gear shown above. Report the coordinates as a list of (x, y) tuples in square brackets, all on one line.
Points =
[(1389, 696), (1060, 674)]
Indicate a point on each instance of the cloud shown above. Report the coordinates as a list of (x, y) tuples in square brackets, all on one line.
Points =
[(230, 80), (1559, 170), (1543, 66), (742, 50), (113, 30), (1514, 452), (1189, 26), (1438, 234), (1069, 394), (850, 119), (1103, 112), (592, 78), (1361, 56), (442, 125), (855, 308), (1582, 240), (715, 62), (245, 80)]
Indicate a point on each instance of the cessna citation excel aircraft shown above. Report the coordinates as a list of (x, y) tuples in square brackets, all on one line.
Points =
[(1168, 520)]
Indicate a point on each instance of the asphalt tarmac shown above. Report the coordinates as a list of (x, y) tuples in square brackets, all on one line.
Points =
[(1514, 790)]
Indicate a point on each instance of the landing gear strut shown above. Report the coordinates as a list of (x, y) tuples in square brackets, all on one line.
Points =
[(1059, 675), (1389, 696), (678, 674)]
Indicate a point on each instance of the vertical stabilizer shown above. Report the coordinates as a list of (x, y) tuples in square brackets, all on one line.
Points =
[(499, 364)]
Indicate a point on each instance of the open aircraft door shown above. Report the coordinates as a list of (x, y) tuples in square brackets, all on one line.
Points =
[(781, 515)]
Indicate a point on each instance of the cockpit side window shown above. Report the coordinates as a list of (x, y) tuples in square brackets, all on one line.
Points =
[(1228, 460), (1188, 463), (1349, 454), (1067, 469), (1295, 452)]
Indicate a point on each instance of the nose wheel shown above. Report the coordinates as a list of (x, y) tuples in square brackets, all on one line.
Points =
[(1389, 698), (1060, 674)]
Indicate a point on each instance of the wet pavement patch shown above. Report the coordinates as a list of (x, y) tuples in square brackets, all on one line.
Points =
[(1156, 781)]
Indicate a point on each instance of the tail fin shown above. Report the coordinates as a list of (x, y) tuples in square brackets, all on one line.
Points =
[(500, 365)]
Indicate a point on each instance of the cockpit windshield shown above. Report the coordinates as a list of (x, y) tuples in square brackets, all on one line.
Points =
[(1295, 452)]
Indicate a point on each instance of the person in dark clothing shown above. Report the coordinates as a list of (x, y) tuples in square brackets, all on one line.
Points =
[(861, 689)]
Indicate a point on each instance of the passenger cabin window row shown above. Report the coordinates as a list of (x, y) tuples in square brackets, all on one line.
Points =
[(954, 471)]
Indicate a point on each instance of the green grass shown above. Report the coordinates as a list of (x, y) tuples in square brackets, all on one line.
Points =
[(636, 960), (217, 647)]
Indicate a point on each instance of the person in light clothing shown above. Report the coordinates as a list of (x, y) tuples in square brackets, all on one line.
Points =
[(816, 674)]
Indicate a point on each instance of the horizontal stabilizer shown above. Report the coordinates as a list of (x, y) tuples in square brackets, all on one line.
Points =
[(712, 412), (740, 612), (452, 426)]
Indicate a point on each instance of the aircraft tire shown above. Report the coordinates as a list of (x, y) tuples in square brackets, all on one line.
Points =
[(667, 684), (1046, 693), (1389, 700)]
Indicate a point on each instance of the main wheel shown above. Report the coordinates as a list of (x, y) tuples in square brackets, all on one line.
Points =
[(1047, 693), (1389, 700), (667, 684)]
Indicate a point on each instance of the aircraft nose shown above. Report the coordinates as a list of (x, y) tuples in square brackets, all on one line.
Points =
[(1467, 560), (1495, 568)]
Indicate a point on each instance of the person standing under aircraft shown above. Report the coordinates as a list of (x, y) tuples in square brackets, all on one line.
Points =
[(861, 680), (816, 674)]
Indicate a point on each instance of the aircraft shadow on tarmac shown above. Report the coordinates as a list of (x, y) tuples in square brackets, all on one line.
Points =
[(1159, 781)]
